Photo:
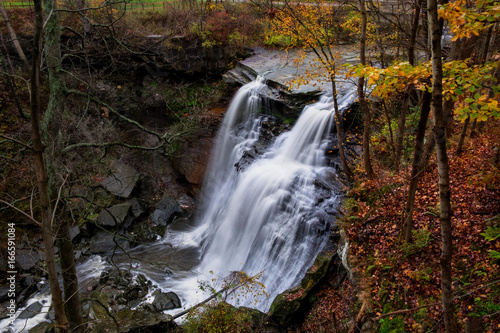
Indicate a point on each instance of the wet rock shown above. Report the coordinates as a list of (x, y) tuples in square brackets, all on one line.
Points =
[(27, 259), (104, 242), (114, 215), (122, 183), (167, 207), (31, 311), (166, 301)]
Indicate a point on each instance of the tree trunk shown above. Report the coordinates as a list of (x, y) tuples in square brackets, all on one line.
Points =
[(13, 36), (51, 126), (462, 136), (401, 130), (443, 167), (11, 85), (70, 281), (80, 5), (391, 135), (343, 158), (417, 167), (41, 173), (361, 95), (413, 34)]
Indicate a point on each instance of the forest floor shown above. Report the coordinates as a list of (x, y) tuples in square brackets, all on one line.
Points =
[(398, 284)]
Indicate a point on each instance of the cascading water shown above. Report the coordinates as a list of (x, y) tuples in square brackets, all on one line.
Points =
[(273, 217)]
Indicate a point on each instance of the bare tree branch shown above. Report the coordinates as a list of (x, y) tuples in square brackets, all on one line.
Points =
[(20, 211), (16, 141)]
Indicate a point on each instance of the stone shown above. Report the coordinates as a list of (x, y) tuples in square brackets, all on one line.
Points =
[(114, 215), (135, 207), (74, 232), (31, 311), (27, 259), (136, 321), (121, 183), (193, 161), (104, 242), (167, 207), (166, 301), (97, 312)]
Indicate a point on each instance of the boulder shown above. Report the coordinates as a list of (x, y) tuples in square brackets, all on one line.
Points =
[(104, 242), (114, 215), (167, 207), (121, 183), (27, 259), (166, 301), (135, 207)]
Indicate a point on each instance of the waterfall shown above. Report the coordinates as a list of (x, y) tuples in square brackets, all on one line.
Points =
[(272, 217)]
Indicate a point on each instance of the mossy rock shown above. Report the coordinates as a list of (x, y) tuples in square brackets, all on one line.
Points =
[(98, 302), (287, 304)]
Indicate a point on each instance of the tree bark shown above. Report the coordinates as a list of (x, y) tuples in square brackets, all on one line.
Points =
[(463, 134), (361, 95), (13, 36), (11, 85), (401, 129), (443, 167), (418, 166), (413, 34), (41, 173), (72, 304), (51, 130)]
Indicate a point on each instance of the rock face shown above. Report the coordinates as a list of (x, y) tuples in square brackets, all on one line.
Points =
[(194, 160), (188, 57), (279, 71)]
